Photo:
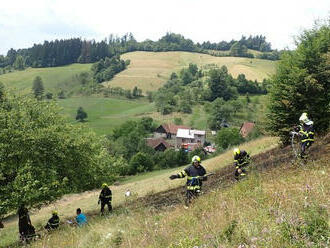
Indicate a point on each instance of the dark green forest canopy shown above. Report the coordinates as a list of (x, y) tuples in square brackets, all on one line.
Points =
[(76, 50)]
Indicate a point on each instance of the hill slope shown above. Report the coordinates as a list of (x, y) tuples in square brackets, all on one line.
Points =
[(280, 205), (140, 186), (54, 78), (104, 114), (149, 70)]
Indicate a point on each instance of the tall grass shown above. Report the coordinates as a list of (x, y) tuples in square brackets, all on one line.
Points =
[(285, 207)]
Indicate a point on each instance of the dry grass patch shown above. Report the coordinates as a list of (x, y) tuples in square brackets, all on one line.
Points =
[(149, 70)]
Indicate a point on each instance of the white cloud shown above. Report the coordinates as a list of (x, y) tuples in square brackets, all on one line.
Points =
[(23, 23)]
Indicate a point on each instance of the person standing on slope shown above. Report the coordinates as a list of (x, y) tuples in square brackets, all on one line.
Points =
[(25, 227), (241, 161), (195, 174), (105, 198), (306, 132)]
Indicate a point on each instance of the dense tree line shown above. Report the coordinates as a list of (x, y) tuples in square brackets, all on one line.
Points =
[(40, 166), (257, 43), (192, 86), (105, 69), (301, 84), (76, 50)]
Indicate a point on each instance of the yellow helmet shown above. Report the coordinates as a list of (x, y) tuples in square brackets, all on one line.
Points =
[(195, 158), (237, 151), (54, 212), (104, 185)]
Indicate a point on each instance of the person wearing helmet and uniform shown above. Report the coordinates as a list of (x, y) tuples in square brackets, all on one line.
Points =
[(241, 161), (195, 174), (53, 222), (306, 132), (105, 198)]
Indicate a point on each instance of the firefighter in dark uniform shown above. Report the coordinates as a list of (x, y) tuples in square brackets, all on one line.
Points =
[(25, 227), (241, 161), (195, 174), (306, 132), (53, 222), (105, 198)]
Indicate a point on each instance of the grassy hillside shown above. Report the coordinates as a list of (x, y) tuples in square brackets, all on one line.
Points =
[(281, 204), (54, 78), (149, 70), (140, 186), (105, 113)]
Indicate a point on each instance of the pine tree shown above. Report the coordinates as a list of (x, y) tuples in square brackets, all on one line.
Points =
[(38, 88), (81, 115)]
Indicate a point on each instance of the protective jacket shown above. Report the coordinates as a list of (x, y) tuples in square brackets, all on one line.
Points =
[(241, 160), (195, 176), (307, 133), (105, 195), (53, 222), (25, 227)]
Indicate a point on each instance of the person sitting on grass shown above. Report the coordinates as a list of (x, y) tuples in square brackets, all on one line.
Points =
[(80, 218), (53, 222)]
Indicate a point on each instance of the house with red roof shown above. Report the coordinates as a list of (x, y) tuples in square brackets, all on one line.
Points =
[(158, 144), (169, 130)]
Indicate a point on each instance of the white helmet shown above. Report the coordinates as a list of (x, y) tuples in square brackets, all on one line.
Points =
[(304, 118), (195, 159)]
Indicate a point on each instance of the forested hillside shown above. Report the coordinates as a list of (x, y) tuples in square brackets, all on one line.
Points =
[(76, 50)]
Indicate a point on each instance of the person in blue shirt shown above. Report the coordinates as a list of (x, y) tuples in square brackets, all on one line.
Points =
[(80, 218)]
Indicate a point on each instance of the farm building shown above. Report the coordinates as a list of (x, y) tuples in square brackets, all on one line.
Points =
[(190, 136), (158, 144), (246, 128), (168, 131)]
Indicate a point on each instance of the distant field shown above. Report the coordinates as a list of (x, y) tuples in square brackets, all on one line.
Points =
[(54, 78), (149, 70), (104, 114)]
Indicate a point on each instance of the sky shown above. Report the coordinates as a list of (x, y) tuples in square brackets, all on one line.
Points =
[(23, 23)]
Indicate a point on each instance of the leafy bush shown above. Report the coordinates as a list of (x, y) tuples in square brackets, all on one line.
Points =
[(227, 137), (140, 162), (42, 156)]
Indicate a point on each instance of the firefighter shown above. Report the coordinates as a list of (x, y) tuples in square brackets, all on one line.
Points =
[(241, 161), (306, 132), (25, 227), (105, 198), (195, 175), (53, 222)]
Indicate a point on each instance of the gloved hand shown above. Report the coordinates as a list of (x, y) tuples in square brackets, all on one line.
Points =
[(204, 178), (173, 177)]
